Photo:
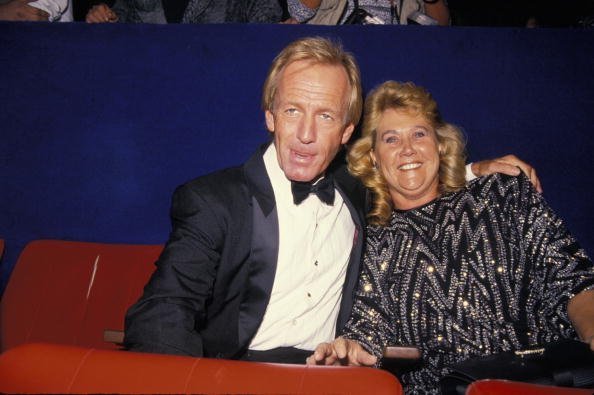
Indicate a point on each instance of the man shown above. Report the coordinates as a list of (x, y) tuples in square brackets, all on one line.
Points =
[(186, 11), (256, 268), (36, 10)]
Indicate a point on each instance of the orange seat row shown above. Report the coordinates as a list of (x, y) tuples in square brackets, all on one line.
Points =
[(62, 297)]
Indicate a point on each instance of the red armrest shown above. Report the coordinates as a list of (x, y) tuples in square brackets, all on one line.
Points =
[(52, 368)]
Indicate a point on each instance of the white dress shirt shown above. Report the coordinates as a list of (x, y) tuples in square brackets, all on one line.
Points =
[(315, 242)]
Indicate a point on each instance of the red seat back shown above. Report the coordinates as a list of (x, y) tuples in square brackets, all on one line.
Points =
[(69, 292)]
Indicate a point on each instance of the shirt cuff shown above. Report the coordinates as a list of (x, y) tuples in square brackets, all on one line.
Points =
[(469, 174)]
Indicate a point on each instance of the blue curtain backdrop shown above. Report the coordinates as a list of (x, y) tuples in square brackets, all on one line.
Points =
[(99, 123)]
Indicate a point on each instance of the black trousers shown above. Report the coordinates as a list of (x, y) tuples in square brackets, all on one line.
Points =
[(278, 355)]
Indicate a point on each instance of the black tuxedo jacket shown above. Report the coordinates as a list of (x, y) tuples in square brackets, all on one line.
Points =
[(213, 280)]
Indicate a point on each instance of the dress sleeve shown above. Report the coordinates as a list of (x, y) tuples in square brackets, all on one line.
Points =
[(371, 321), (165, 318), (560, 267), (299, 12)]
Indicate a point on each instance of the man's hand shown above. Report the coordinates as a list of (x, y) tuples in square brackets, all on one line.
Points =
[(20, 10), (101, 13), (341, 352), (510, 165)]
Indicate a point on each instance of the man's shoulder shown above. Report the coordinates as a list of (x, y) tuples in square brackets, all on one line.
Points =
[(230, 178)]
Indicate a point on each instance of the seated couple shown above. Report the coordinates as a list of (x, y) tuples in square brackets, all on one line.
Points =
[(263, 260)]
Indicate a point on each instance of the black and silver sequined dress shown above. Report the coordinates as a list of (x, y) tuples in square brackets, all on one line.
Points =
[(483, 270)]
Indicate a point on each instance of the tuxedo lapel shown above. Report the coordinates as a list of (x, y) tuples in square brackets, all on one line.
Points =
[(264, 248), (353, 194)]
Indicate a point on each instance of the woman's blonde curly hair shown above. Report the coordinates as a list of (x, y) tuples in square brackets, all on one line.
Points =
[(415, 99)]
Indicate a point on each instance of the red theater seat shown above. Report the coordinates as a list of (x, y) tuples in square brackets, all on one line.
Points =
[(51, 368), (69, 292), (63, 295), (505, 387)]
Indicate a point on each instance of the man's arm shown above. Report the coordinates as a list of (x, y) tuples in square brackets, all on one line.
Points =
[(510, 165), (20, 10), (581, 313), (54, 8), (165, 318)]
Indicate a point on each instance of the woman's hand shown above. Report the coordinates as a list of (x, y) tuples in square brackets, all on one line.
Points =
[(341, 352)]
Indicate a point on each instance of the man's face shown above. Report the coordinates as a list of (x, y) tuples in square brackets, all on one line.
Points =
[(308, 119)]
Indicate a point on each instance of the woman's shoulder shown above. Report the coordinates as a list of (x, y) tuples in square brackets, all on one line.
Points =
[(498, 184), (507, 192)]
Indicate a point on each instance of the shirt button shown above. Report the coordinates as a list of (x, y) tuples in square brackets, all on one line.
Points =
[(316, 263), (308, 295), (294, 322)]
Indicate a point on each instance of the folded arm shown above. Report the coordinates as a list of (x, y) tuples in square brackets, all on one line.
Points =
[(54, 8), (21, 10)]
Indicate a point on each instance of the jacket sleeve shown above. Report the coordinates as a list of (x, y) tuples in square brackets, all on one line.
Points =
[(264, 11), (123, 11), (170, 313)]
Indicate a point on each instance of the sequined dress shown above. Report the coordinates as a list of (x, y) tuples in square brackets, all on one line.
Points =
[(483, 270)]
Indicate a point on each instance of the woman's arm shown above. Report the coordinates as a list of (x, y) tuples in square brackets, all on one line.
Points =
[(438, 11), (581, 313)]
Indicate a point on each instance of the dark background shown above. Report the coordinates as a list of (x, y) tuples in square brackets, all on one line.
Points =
[(99, 123), (510, 13)]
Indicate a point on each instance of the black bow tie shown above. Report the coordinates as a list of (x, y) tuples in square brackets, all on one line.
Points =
[(324, 189)]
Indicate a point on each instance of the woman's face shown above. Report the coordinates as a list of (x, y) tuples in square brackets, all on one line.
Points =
[(407, 155)]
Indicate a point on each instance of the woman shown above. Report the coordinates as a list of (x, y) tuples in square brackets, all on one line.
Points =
[(460, 271), (391, 12)]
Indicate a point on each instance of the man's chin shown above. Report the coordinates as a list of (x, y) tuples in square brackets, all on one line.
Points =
[(302, 173), (300, 177)]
